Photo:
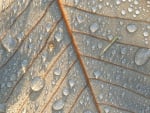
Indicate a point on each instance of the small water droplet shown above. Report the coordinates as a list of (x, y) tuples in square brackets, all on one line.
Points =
[(118, 2), (123, 51), (80, 19), (137, 12), (48, 27), (94, 27), (9, 43), (106, 110), (37, 83), (87, 111), (142, 56), (71, 83), (130, 9), (145, 33), (58, 36), (65, 91), (131, 28), (58, 104), (57, 71), (123, 12), (97, 73), (100, 96), (2, 108)]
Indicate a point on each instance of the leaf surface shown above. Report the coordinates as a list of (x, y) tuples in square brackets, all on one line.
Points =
[(61, 41)]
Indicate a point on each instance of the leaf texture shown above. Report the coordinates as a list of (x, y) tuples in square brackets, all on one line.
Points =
[(61, 41)]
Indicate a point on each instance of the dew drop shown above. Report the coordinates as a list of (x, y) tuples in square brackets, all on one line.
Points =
[(131, 28), (106, 110), (94, 27), (2, 108), (118, 2), (123, 51), (80, 19), (142, 56), (48, 27), (37, 83), (9, 43), (65, 91), (58, 104), (97, 73), (137, 12), (58, 36), (57, 71), (130, 9), (145, 33), (100, 96), (87, 111), (71, 83), (123, 12)]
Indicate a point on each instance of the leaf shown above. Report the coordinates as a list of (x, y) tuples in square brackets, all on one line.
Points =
[(60, 41)]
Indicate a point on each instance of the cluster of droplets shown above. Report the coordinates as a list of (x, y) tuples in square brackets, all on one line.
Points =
[(59, 103)]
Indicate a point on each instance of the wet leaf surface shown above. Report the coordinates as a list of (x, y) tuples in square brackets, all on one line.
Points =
[(50, 56)]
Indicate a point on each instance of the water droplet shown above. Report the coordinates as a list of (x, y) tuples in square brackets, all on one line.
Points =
[(80, 19), (142, 56), (58, 104), (145, 33), (118, 2), (57, 71), (65, 91), (58, 36), (76, 2), (94, 27), (71, 83), (130, 9), (37, 83), (131, 28), (100, 96), (9, 43), (123, 12), (123, 51), (87, 111), (106, 110), (48, 27), (137, 12), (2, 108), (97, 73)]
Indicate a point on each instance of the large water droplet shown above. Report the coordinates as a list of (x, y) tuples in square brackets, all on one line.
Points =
[(2, 108), (57, 71), (9, 43), (37, 83), (131, 28), (58, 104), (94, 27), (142, 56), (97, 73)]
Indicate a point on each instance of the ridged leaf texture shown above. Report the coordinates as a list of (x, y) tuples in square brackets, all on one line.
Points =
[(60, 41)]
